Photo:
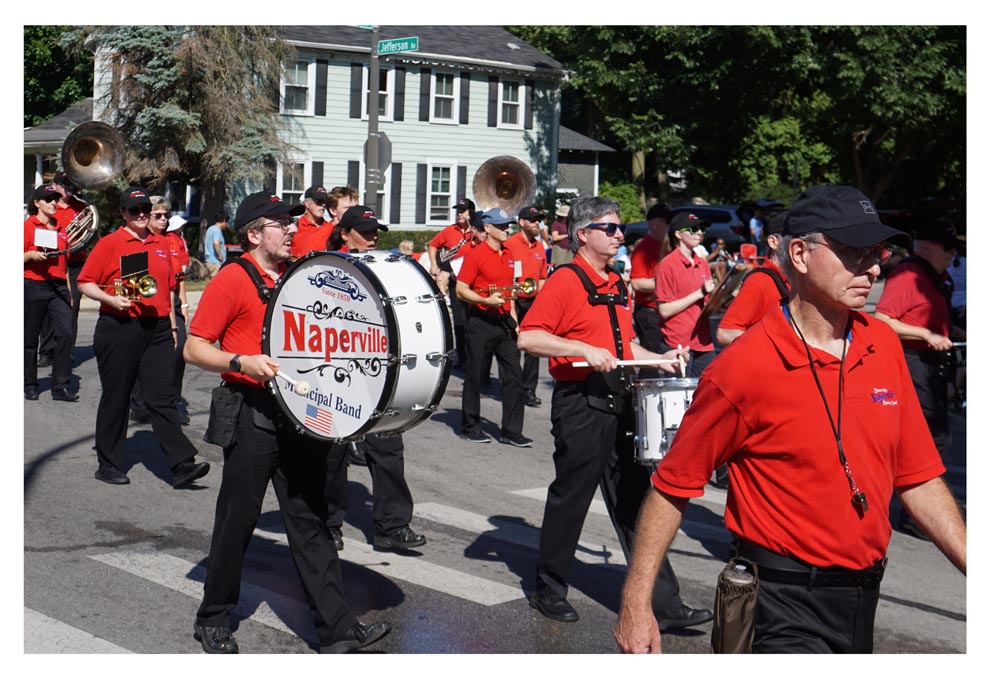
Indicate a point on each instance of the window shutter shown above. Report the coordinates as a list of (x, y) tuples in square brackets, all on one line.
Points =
[(357, 76), (394, 213), (354, 174), (492, 101), (421, 193), (425, 77), (400, 95), (317, 173), (320, 107), (465, 97), (461, 191), (530, 86)]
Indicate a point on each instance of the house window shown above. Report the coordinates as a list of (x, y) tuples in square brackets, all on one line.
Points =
[(292, 182), (297, 87), (386, 90), (446, 87), (441, 193), (510, 104)]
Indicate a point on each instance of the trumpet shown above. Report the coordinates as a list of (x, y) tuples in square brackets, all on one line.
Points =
[(527, 286), (134, 287)]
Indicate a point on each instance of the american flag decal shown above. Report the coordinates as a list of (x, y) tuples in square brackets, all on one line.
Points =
[(319, 419)]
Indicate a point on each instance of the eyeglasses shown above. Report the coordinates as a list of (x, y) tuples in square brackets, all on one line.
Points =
[(692, 228), (857, 259), (319, 201), (284, 224), (159, 215), (608, 227), (138, 210)]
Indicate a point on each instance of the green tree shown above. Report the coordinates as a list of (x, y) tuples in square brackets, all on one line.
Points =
[(53, 80)]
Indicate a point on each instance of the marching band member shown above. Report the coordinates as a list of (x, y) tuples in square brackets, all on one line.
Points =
[(527, 249), (263, 448), (136, 339), (314, 229), (46, 296), (490, 330), (450, 244), (180, 303), (391, 499), (583, 311)]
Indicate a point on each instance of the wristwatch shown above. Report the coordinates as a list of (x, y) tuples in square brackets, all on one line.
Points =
[(235, 364)]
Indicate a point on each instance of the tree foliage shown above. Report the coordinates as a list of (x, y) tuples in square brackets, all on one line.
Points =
[(747, 111), (53, 80)]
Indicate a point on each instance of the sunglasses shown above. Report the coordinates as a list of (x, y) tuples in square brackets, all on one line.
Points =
[(159, 215), (692, 228), (139, 210), (608, 227)]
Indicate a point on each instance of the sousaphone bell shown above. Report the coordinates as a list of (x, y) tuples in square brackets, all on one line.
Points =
[(504, 182)]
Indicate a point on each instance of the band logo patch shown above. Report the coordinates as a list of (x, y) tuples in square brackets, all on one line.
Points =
[(883, 396)]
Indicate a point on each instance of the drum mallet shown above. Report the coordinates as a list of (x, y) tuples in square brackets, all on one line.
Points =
[(301, 387)]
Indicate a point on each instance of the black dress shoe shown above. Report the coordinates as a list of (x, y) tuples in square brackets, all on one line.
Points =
[(358, 636), (31, 393), (44, 360), (109, 474), (685, 616), (554, 607), (188, 471), (532, 400), (400, 538), (338, 537), (475, 437), (517, 440), (215, 639), (64, 395)]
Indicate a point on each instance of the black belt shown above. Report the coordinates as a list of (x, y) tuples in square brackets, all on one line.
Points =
[(784, 570)]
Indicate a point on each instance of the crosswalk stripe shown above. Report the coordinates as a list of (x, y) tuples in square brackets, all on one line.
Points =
[(513, 532), (419, 572), (256, 603), (47, 635)]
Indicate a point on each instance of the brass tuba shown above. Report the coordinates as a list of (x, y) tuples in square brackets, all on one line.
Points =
[(93, 155), (504, 182)]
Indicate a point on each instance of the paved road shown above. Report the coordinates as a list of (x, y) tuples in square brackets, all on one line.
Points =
[(120, 569)]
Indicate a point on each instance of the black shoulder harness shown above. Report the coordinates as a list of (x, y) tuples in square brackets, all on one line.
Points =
[(777, 279), (264, 292), (596, 298)]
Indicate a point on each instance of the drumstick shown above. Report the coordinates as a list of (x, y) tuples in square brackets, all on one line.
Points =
[(681, 362), (958, 344), (301, 387), (632, 362)]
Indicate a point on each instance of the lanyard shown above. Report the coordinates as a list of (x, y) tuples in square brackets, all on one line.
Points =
[(858, 496)]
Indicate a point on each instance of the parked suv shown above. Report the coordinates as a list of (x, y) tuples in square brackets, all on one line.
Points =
[(725, 224)]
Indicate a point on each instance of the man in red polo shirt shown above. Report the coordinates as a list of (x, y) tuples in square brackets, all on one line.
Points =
[(531, 263), (684, 281), (313, 228), (810, 512), (583, 314), (646, 256), (762, 290), (264, 449), (485, 284)]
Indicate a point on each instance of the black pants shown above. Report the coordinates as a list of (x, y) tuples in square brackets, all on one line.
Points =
[(47, 300), (592, 451), (128, 349), (137, 398), (530, 363), (296, 466), (458, 313), (391, 500), (931, 382), (48, 338), (488, 335), (646, 321)]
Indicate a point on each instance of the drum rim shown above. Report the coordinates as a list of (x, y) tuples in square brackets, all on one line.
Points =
[(675, 382), (391, 325)]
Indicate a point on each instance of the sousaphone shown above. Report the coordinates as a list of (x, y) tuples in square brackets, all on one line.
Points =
[(504, 182)]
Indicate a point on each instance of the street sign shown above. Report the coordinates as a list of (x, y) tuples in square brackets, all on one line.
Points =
[(384, 152), (398, 45)]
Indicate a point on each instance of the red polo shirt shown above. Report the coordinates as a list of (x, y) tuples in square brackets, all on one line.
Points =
[(450, 237), (644, 262), (910, 296), (757, 296), (231, 312), (103, 266), (178, 248), (532, 256), (677, 277), (311, 236), (52, 268), (562, 309), (758, 409), (485, 266)]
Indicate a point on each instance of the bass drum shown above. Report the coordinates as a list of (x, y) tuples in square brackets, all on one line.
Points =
[(371, 335)]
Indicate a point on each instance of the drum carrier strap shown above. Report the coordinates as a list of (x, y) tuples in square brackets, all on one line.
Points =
[(264, 292), (777, 279), (618, 381)]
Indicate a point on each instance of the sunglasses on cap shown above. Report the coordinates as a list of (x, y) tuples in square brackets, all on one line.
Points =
[(608, 227)]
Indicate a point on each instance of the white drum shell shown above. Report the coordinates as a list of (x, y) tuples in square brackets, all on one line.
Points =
[(660, 406)]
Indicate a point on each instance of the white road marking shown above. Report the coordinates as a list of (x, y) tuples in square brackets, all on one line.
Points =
[(47, 635)]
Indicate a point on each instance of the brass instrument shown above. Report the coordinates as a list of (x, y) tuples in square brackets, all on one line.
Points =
[(80, 231), (135, 287), (720, 297), (93, 155), (444, 255), (504, 182), (527, 286)]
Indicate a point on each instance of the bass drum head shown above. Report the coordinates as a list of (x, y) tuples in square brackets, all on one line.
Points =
[(326, 324)]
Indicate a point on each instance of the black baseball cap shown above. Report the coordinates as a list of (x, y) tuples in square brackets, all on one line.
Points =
[(659, 211), (317, 192), (776, 223), (477, 222), (463, 204), (263, 204), (531, 214), (62, 179), (842, 213), (361, 218), (939, 232), (133, 196), (688, 220), (45, 191)]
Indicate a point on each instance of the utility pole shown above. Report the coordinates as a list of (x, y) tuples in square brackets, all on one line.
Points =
[(372, 175)]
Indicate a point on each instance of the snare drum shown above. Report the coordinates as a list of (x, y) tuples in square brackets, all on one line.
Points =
[(660, 406), (369, 332)]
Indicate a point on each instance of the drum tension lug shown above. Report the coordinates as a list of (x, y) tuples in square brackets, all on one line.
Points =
[(394, 300), (427, 298), (435, 356)]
